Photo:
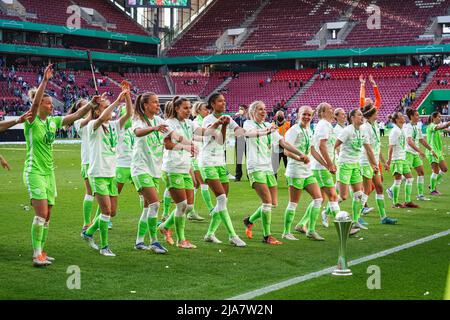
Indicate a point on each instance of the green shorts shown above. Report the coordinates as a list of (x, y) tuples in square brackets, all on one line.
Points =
[(301, 183), (324, 178), (84, 171), (267, 178), (414, 160), (104, 186), (400, 167), (123, 175), (194, 164), (178, 181), (41, 187), (145, 181), (432, 159), (349, 173), (367, 171), (215, 173)]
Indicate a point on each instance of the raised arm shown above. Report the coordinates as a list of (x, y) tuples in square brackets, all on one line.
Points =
[(376, 92), (80, 113), (362, 91), (105, 114), (129, 109), (5, 125), (443, 126), (48, 73)]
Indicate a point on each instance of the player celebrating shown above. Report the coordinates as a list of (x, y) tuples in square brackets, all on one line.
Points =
[(434, 139), (370, 177), (397, 163), (261, 138), (300, 177), (214, 170), (351, 142), (103, 137), (40, 132), (414, 155)]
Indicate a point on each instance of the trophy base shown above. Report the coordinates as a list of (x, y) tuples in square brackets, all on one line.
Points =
[(339, 272)]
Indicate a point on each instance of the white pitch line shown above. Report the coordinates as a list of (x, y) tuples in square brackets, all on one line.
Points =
[(280, 285)]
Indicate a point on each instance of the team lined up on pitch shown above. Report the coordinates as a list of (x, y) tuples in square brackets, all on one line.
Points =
[(187, 155)]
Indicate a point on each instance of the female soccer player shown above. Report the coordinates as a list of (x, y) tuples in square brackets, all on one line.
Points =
[(261, 137), (351, 142), (103, 137), (371, 131), (80, 127), (40, 131), (434, 139), (414, 155), (199, 112), (397, 163), (214, 170), (177, 166), (324, 139), (147, 156), (300, 176)]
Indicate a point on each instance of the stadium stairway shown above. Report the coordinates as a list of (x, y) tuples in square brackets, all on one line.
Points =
[(220, 86), (425, 84), (301, 91)]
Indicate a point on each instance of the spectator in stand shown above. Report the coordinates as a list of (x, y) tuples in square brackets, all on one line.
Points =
[(445, 110), (261, 83), (290, 84), (278, 152), (382, 127), (240, 119), (295, 84)]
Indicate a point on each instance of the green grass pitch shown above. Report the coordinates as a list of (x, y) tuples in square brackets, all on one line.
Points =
[(211, 271)]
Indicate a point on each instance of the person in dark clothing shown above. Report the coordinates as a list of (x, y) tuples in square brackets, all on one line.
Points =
[(240, 118)]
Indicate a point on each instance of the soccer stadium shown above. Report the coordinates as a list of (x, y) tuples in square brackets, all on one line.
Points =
[(158, 150)]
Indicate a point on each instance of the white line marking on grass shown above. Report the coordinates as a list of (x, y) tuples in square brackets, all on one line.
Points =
[(277, 286)]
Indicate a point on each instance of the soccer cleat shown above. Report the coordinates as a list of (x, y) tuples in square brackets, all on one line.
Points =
[(314, 235), (141, 246), (354, 231), (387, 220), (324, 219), (185, 244), (359, 225), (366, 210), (90, 240), (193, 216), (248, 227), (156, 247), (271, 240), (398, 206), (422, 198), (48, 258), (363, 222), (40, 261), (410, 205), (167, 235), (435, 193), (110, 225), (301, 229), (86, 227), (390, 193), (107, 252), (211, 238), (237, 242), (288, 236)]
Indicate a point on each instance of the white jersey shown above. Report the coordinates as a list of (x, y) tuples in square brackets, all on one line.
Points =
[(302, 139), (397, 138), (148, 150), (179, 161), (125, 148), (82, 132), (259, 149), (412, 131), (352, 145), (323, 131), (102, 149), (373, 135), (213, 153)]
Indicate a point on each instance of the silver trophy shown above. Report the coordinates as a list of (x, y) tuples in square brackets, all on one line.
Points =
[(343, 223)]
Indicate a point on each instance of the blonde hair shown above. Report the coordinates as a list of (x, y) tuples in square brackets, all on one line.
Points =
[(336, 112), (321, 108), (32, 94), (197, 106), (252, 108), (303, 108)]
